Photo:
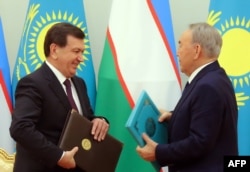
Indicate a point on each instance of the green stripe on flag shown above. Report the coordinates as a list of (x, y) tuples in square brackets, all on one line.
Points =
[(113, 104)]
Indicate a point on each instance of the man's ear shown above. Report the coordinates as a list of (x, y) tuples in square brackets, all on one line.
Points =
[(53, 51), (198, 51)]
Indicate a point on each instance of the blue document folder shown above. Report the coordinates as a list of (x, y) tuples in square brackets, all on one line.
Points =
[(144, 119)]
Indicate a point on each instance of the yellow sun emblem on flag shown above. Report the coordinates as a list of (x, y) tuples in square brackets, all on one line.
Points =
[(235, 52), (35, 29)]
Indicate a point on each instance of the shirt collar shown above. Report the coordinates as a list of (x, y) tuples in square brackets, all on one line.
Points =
[(58, 74), (192, 76)]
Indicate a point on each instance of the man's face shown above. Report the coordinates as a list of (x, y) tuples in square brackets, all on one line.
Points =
[(186, 53), (70, 56)]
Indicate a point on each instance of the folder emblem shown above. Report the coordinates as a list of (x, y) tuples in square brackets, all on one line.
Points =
[(150, 127), (86, 144)]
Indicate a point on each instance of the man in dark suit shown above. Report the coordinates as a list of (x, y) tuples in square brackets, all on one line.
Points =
[(42, 105), (203, 125)]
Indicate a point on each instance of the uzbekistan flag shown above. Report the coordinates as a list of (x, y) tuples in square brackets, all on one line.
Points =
[(139, 53)]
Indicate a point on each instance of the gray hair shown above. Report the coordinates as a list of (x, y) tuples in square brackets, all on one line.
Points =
[(208, 37)]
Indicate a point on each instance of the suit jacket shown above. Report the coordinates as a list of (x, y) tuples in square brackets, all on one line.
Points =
[(203, 126), (41, 107)]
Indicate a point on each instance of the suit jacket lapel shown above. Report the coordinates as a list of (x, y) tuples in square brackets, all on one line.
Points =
[(211, 67), (184, 96), (55, 86)]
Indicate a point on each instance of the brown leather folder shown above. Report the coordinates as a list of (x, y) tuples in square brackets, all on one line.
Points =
[(92, 156)]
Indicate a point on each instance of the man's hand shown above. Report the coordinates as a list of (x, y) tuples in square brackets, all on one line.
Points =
[(165, 115), (99, 129), (148, 151), (68, 161)]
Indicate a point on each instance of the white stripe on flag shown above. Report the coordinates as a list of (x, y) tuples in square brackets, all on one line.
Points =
[(6, 141), (142, 56)]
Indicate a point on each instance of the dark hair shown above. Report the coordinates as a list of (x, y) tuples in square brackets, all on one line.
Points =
[(58, 34)]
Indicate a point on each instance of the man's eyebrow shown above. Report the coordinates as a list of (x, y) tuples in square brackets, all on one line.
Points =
[(76, 48)]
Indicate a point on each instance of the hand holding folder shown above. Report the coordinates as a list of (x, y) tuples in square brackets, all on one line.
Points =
[(92, 156), (67, 160)]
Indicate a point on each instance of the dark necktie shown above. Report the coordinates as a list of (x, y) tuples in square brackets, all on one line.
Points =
[(186, 88), (69, 94)]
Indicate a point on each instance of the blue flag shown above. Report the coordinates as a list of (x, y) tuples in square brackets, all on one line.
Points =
[(6, 142), (40, 17), (232, 19)]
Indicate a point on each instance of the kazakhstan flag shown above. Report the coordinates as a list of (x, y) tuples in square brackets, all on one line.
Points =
[(232, 19), (41, 15)]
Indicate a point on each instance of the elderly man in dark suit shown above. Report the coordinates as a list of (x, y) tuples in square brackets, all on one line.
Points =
[(42, 105), (203, 125)]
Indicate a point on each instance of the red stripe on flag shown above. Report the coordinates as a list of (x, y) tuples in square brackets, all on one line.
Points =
[(159, 26), (5, 91), (123, 84)]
